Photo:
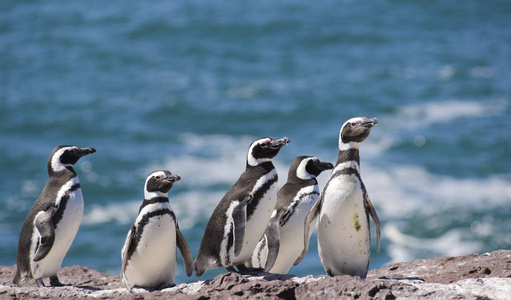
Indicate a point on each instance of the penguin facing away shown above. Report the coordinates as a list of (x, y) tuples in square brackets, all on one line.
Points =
[(149, 251), (282, 244), (344, 208), (53, 221), (240, 218)]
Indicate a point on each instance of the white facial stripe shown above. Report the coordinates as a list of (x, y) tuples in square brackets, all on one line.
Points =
[(301, 171), (353, 120), (56, 165), (251, 159), (150, 195), (157, 173), (227, 229), (350, 145)]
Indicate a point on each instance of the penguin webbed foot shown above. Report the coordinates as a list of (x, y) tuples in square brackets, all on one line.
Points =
[(166, 286), (244, 270), (241, 268), (54, 281), (231, 269), (254, 271), (40, 282)]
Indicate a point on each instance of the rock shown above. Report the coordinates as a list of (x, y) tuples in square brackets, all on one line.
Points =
[(451, 269), (474, 276)]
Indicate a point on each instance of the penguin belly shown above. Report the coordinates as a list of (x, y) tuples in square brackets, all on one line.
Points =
[(65, 233), (343, 229), (153, 264), (256, 225), (291, 238)]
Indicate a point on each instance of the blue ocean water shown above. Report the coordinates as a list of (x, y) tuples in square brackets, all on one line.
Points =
[(187, 85)]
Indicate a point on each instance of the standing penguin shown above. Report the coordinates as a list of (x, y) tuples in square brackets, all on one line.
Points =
[(149, 252), (52, 223), (282, 244), (344, 207), (239, 220)]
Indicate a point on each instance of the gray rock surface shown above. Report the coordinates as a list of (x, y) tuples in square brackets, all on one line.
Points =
[(474, 276)]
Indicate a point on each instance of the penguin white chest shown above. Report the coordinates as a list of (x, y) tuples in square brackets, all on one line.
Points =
[(154, 261), (256, 224), (65, 230), (291, 233), (343, 228)]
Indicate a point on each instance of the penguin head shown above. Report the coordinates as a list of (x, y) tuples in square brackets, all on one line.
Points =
[(356, 130), (308, 167), (264, 149), (160, 182), (65, 156)]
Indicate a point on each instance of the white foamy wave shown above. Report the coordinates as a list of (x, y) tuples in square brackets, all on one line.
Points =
[(122, 213), (189, 207), (192, 207), (446, 111), (400, 190), (224, 164), (403, 247)]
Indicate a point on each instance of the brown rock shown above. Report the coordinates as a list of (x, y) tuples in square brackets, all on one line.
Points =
[(451, 269), (486, 276)]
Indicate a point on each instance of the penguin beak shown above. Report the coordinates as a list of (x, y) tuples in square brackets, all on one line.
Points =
[(85, 151), (277, 144), (369, 123), (172, 178), (322, 166)]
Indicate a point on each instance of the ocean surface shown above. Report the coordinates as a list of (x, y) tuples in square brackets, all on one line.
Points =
[(188, 85)]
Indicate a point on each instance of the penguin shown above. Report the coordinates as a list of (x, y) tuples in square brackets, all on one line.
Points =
[(239, 220), (149, 251), (344, 208), (282, 244), (52, 223)]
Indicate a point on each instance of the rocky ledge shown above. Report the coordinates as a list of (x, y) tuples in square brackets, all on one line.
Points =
[(475, 276)]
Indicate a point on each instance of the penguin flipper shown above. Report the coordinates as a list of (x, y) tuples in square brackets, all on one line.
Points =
[(311, 217), (44, 225), (239, 216), (124, 252), (273, 240), (376, 221), (185, 251)]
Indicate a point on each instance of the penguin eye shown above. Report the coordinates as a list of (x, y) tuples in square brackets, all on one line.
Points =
[(353, 124), (158, 177)]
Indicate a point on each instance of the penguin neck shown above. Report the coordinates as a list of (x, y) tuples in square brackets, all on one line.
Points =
[(65, 172), (155, 194), (254, 162), (266, 165), (154, 200), (349, 153), (302, 182)]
